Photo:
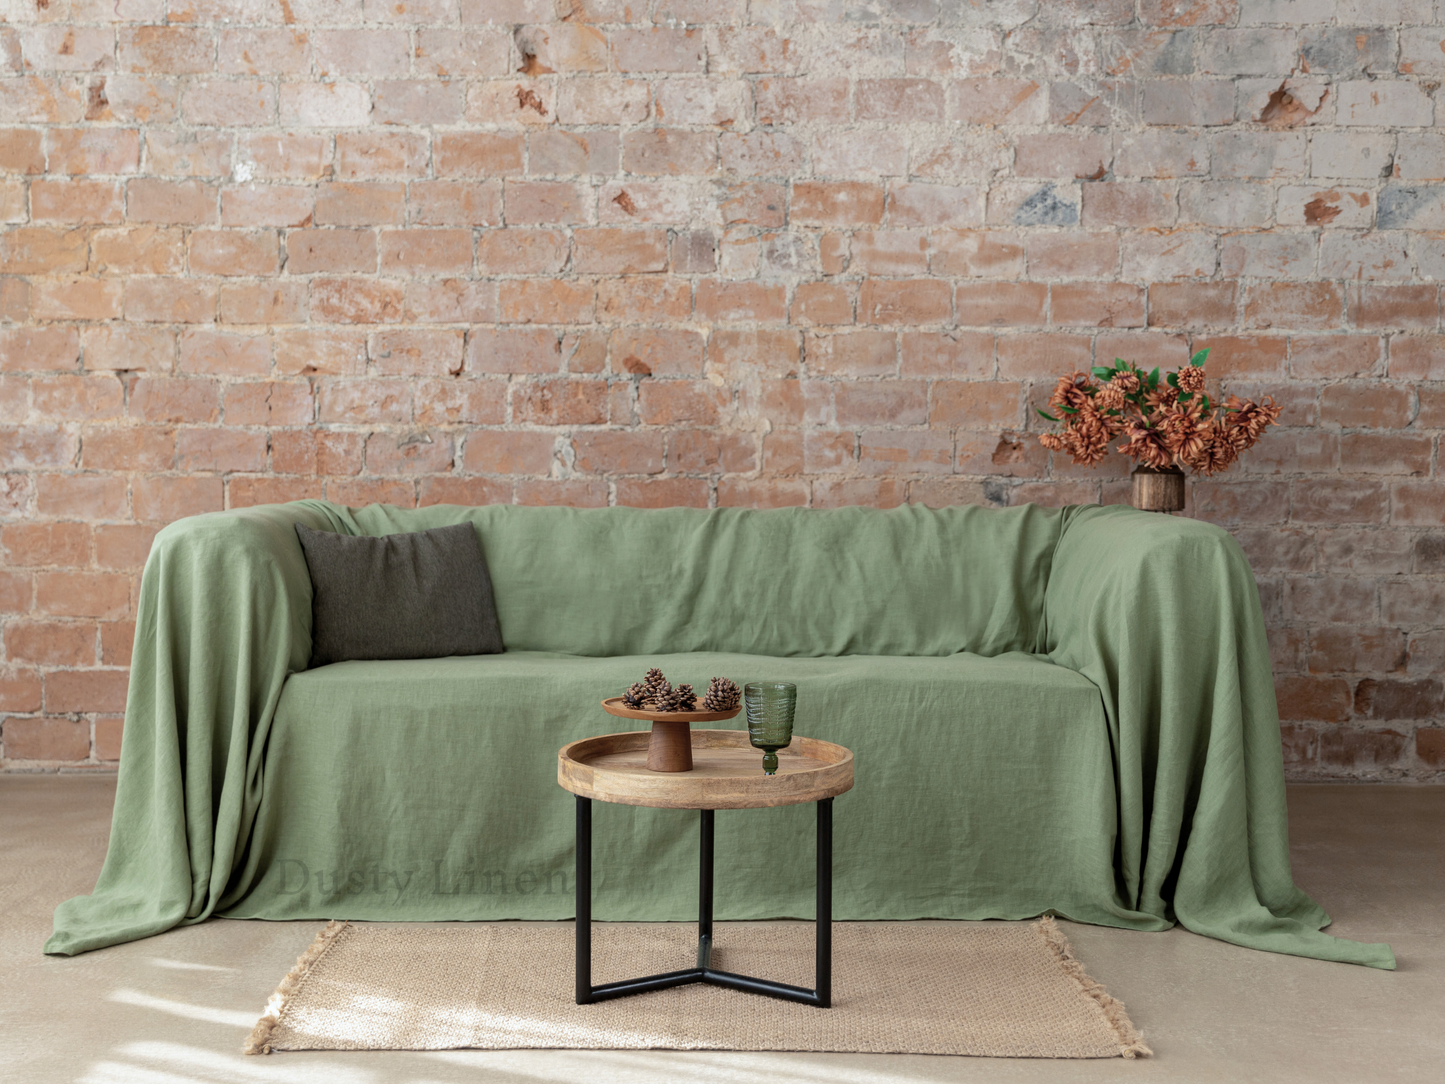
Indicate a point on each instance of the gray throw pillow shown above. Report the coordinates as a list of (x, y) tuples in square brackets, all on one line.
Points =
[(402, 596)]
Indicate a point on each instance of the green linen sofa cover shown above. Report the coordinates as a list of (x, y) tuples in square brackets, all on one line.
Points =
[(1066, 711)]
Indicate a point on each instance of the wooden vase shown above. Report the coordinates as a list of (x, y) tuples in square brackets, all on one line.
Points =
[(1158, 490)]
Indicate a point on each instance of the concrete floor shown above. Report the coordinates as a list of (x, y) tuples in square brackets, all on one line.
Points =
[(177, 1007)]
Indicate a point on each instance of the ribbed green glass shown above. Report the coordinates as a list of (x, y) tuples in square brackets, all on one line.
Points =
[(770, 706)]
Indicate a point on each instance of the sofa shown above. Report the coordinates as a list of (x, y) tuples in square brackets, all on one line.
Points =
[(1053, 711)]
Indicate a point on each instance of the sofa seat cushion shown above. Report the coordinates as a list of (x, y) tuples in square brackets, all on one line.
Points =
[(426, 789)]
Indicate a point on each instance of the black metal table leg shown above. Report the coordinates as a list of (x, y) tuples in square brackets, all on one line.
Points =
[(704, 891), (822, 994), (584, 900), (823, 915)]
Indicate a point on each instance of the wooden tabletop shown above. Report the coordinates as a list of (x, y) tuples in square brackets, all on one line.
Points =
[(727, 772)]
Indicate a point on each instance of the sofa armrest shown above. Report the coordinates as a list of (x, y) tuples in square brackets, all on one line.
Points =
[(1163, 615), (224, 616)]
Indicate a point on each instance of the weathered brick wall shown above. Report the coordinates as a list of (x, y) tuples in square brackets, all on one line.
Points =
[(714, 252)]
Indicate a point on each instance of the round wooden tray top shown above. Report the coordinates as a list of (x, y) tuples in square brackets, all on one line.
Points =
[(613, 705), (727, 772)]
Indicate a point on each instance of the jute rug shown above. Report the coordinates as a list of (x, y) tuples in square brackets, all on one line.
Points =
[(1012, 991)]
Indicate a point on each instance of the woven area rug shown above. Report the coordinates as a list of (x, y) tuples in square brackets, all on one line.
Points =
[(1012, 991)]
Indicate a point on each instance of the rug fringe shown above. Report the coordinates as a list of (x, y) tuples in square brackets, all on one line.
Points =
[(1131, 1041), (259, 1041)]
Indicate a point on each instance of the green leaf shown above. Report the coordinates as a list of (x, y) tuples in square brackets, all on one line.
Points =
[(1103, 372), (1120, 363), (1198, 359), (1204, 402), (1069, 409), (1172, 380), (1185, 396), (1154, 378), (1046, 414)]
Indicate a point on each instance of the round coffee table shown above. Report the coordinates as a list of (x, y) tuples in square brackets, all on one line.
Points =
[(727, 773)]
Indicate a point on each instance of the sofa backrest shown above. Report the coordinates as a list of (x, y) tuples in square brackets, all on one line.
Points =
[(848, 581)]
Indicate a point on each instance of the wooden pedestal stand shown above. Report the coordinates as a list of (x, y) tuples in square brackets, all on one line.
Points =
[(670, 749)]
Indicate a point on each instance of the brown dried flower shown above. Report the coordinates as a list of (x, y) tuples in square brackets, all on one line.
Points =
[(1126, 382), (1191, 379), (1146, 445)]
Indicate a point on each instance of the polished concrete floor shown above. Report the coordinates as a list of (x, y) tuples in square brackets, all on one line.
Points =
[(176, 1007)]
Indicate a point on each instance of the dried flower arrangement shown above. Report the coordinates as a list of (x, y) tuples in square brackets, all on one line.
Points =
[(1164, 424), (654, 693)]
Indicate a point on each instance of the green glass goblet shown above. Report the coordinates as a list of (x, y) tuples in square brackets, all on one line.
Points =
[(770, 706)]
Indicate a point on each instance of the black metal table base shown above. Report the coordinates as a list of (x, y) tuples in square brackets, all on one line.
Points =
[(822, 993)]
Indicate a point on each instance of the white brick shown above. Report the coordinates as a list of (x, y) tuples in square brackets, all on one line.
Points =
[(1340, 208), (1267, 255), (325, 105), (1249, 52), (1230, 204), (1364, 256), (1420, 156), (1350, 154), (1384, 102), (1150, 256), (1258, 154)]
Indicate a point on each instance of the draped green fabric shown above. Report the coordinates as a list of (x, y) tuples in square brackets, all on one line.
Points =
[(1065, 711)]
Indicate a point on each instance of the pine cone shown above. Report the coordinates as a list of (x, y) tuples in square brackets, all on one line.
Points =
[(635, 695), (667, 699), (722, 695), (653, 683), (685, 697)]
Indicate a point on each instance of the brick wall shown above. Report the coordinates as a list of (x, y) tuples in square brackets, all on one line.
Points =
[(713, 252)]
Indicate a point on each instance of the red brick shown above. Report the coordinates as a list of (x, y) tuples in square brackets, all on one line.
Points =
[(139, 250), (51, 643), (1097, 304), (360, 203), (54, 738), (39, 349), (183, 203), (163, 300), (1063, 154), (82, 594), (247, 492), (522, 251), (426, 251), (947, 353), (74, 151), (1365, 405), (575, 493), (1313, 698), (643, 299), (451, 401), (501, 451), (732, 302), (920, 301), (46, 544), (657, 352), (20, 690), (90, 202), (316, 451), (659, 50), (93, 496), (234, 252), (1072, 254), (123, 546), (1430, 746), (762, 493), (1385, 453), (868, 492), (822, 303), (167, 50), (984, 304), (416, 352), (976, 404), (545, 203), (364, 401), (710, 451), (545, 301), (132, 448), (220, 450), (1294, 305), (1395, 307), (20, 151), (1417, 504), (669, 402), (619, 251), (470, 492), (76, 299), (222, 354), (1335, 501), (418, 453), (1134, 205), (886, 402), (268, 205), (662, 492), (42, 250), (612, 451), (276, 156), (560, 402), (78, 398), (852, 353), (165, 499), (1191, 304), (669, 151), (356, 300), (513, 351), (166, 399), (997, 101), (1338, 649), (891, 452), (839, 203)]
